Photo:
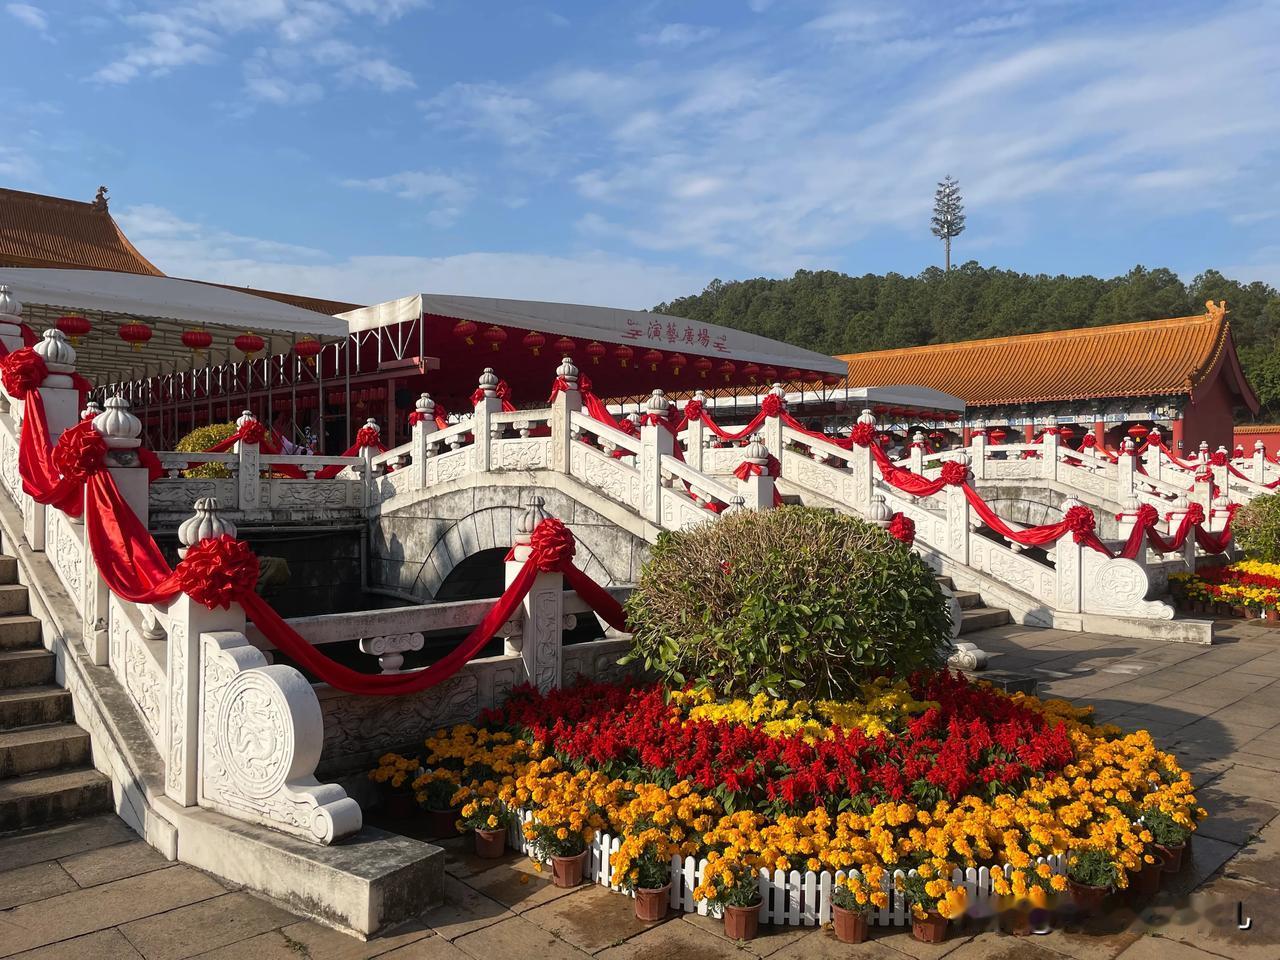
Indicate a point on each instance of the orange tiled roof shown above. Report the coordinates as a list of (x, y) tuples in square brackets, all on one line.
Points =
[(318, 304), (1149, 358), (40, 231), (1246, 429)]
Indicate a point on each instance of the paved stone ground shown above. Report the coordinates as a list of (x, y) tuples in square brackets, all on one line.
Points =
[(92, 890)]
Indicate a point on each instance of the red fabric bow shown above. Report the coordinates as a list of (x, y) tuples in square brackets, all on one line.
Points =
[(416, 418), (1196, 512), (771, 405), (79, 452), (1081, 522), (1218, 458), (218, 571), (553, 545), (22, 371), (252, 432), (954, 473), (901, 527), (367, 437), (1088, 442), (1147, 516), (863, 434), (693, 411)]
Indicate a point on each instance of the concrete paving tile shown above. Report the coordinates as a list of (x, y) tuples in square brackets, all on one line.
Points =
[(62, 840), (517, 885), (1246, 757), (1088, 944), (201, 927), (107, 905), (102, 945), (1259, 860), (593, 918), (772, 937), (516, 937), (432, 948), (1002, 946), (1162, 948), (1232, 819), (900, 939), (463, 911), (113, 863), (1210, 924), (306, 940), (1205, 857), (39, 881), (669, 941)]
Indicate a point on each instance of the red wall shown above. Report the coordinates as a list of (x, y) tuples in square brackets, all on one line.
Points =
[(1211, 418), (1269, 435)]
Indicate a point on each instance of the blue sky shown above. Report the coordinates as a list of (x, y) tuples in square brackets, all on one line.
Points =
[(625, 153)]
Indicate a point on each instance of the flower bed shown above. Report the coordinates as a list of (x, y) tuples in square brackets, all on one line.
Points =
[(938, 777), (1249, 584)]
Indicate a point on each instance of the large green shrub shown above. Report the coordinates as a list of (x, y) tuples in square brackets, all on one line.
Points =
[(785, 600), (1256, 528), (201, 439)]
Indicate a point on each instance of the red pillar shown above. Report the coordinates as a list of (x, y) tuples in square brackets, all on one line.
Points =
[(1175, 442), (966, 434), (1028, 432), (1100, 433)]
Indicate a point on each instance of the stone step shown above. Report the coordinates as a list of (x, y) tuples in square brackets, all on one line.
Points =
[(8, 569), (13, 598), (946, 582), (46, 747), (25, 668), (968, 599), (28, 706), (980, 618), (20, 631), (50, 796)]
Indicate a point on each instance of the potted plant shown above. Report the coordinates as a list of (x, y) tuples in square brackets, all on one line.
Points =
[(934, 900), (1027, 891), (489, 819), (643, 865), (393, 772), (436, 790), (1146, 880), (1091, 875), (1171, 838), (851, 906), (558, 834), (734, 886)]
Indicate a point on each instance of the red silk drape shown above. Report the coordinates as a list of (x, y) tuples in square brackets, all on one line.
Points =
[(123, 550), (41, 480)]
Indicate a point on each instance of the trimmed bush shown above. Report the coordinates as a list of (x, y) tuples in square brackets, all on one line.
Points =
[(785, 600), (201, 439), (1256, 528)]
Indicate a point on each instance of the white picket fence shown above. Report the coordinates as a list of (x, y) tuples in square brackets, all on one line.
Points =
[(791, 898)]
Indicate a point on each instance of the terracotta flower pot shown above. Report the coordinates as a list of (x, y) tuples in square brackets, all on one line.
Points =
[(1145, 884), (1251, 613), (491, 844), (567, 871), (399, 806), (1272, 614), (1087, 898), (1016, 922), (742, 923), (651, 903), (442, 823), (931, 928), (852, 926), (1172, 856)]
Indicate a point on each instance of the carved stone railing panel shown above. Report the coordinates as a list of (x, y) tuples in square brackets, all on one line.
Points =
[(64, 545), (598, 470), (1029, 576), (522, 454)]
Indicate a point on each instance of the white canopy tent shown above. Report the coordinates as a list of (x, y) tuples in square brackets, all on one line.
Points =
[(169, 307)]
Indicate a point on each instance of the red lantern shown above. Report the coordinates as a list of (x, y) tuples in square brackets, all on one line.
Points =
[(1137, 431), (534, 341), (794, 374), (831, 379), (752, 371), (726, 370), (74, 327), (308, 348), (496, 337), (997, 435), (596, 350), (623, 354), (135, 334), (465, 330), (652, 358), (676, 361), (702, 365), (564, 346), (196, 341), (250, 344)]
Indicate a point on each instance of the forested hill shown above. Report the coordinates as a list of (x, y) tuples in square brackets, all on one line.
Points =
[(835, 313)]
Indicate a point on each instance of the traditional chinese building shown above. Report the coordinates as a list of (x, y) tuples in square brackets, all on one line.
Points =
[(1181, 375)]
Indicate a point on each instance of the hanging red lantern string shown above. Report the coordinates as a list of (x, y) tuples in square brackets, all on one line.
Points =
[(250, 344), (135, 334), (496, 337), (727, 370), (596, 350), (534, 341), (752, 372), (564, 346), (308, 348), (769, 374), (75, 327), (677, 361), (623, 354), (793, 374), (831, 379), (702, 365), (196, 341), (652, 358), (465, 330)]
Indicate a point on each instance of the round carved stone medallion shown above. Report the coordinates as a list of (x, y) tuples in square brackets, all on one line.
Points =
[(255, 735)]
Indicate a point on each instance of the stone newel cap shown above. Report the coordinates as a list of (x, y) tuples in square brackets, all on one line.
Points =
[(206, 524)]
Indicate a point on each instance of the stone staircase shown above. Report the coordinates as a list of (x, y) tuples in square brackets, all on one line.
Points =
[(46, 773), (974, 613)]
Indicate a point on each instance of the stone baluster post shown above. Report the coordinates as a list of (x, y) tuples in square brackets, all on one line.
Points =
[(1180, 507), (862, 467), (1068, 560), (422, 430), (917, 452), (1049, 459), (249, 469), (61, 409), (540, 637), (1126, 469), (757, 491), (656, 442), (368, 453), (187, 621), (1202, 451), (978, 449), (1222, 478), (1202, 487), (772, 429), (1153, 459), (10, 319), (1258, 465), (695, 435), (958, 530), (121, 431), (568, 401), (486, 406)]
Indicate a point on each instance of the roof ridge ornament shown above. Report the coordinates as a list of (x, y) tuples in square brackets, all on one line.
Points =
[(1216, 311), (101, 199)]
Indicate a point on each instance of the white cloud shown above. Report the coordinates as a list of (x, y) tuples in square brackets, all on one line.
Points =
[(449, 195), (25, 13), (185, 249), (488, 110), (678, 35)]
